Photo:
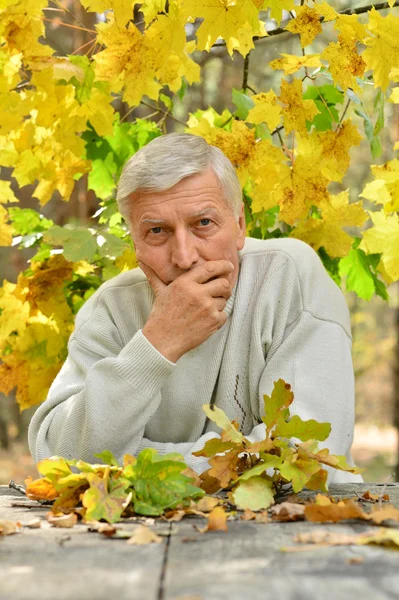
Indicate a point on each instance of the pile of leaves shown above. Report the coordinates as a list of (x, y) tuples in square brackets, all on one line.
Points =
[(252, 474)]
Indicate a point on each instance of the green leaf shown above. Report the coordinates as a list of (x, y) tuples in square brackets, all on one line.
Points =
[(298, 470), (269, 461), (376, 147), (113, 246), (183, 88), (379, 102), (255, 493), (368, 124), (78, 244), (108, 458), (325, 98), (276, 405), (83, 88), (102, 177), (105, 499), (215, 446), (222, 420), (26, 220), (167, 101), (243, 102), (158, 482), (359, 277), (303, 430)]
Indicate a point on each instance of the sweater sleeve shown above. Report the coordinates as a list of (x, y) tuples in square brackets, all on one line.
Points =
[(315, 358), (101, 399)]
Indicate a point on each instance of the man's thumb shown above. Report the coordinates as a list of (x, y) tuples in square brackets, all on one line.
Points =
[(155, 282)]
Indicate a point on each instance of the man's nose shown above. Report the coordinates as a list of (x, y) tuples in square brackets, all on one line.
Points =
[(184, 253)]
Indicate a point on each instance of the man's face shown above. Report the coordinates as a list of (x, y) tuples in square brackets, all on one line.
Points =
[(185, 226)]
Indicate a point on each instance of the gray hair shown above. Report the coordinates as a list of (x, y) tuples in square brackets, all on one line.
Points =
[(168, 159)]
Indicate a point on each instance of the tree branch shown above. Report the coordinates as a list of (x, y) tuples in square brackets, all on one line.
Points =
[(347, 11), (246, 73)]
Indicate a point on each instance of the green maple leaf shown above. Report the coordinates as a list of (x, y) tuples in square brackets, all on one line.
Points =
[(255, 493), (108, 458), (303, 430), (158, 482), (105, 499)]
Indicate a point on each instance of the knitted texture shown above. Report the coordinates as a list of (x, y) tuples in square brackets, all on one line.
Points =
[(286, 319)]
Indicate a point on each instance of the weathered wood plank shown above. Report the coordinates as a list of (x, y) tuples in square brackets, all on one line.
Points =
[(246, 562)]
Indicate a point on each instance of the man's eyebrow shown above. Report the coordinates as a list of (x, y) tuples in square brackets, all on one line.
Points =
[(196, 214)]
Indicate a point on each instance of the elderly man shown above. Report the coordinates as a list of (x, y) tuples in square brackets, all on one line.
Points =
[(209, 316)]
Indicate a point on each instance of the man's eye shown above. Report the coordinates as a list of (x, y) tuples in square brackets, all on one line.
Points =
[(155, 230), (205, 222)]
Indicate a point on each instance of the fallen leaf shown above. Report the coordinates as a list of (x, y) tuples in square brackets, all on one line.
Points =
[(217, 521), (142, 536), (368, 496), (333, 513), (384, 536), (8, 527), (248, 515), (262, 517), (206, 504), (355, 560), (33, 524), (193, 474), (61, 520), (208, 483), (174, 515), (379, 515), (105, 528), (288, 511), (325, 538)]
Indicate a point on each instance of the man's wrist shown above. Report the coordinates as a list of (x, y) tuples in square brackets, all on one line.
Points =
[(163, 346)]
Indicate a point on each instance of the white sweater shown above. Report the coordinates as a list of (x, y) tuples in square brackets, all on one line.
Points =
[(286, 318)]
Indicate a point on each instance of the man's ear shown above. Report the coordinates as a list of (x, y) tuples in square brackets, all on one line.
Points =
[(241, 228)]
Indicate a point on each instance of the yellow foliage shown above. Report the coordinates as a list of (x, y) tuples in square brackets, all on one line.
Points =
[(236, 21), (350, 28), (277, 7), (384, 189), (290, 63), (384, 238), (123, 9), (327, 231), (266, 110), (344, 63), (296, 111), (382, 53), (306, 24)]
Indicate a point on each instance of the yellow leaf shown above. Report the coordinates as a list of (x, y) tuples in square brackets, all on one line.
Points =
[(290, 63), (336, 212), (345, 63), (219, 417), (296, 111), (382, 53), (384, 238), (326, 11), (123, 9), (150, 9), (6, 193), (306, 24), (235, 21), (14, 312), (143, 536), (265, 110), (277, 7), (6, 230), (385, 187), (350, 28)]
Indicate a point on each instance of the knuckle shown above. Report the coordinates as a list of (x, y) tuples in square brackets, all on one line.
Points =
[(210, 267)]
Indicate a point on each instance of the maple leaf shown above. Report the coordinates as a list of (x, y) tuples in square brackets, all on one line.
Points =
[(382, 53), (384, 238), (158, 482), (290, 63), (306, 24), (105, 499), (336, 213), (385, 187), (345, 64), (277, 7), (265, 110), (123, 9), (255, 493), (350, 28), (226, 19), (296, 110)]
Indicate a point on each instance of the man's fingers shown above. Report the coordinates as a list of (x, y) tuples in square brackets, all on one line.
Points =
[(209, 270), (157, 284)]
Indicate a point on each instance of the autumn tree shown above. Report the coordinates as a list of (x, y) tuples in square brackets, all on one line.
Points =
[(75, 117)]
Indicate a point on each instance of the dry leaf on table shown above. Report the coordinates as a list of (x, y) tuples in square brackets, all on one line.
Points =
[(8, 527), (61, 520), (217, 521), (288, 511), (142, 536)]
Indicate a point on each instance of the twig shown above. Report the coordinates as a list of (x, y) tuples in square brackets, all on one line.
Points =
[(162, 111), (246, 73), (347, 11), (16, 486), (344, 113)]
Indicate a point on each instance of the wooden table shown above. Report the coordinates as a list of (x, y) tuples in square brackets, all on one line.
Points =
[(246, 562)]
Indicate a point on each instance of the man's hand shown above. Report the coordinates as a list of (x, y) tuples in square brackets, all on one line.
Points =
[(190, 309)]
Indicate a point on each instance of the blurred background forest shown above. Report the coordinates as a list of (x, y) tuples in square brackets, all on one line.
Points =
[(375, 324)]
